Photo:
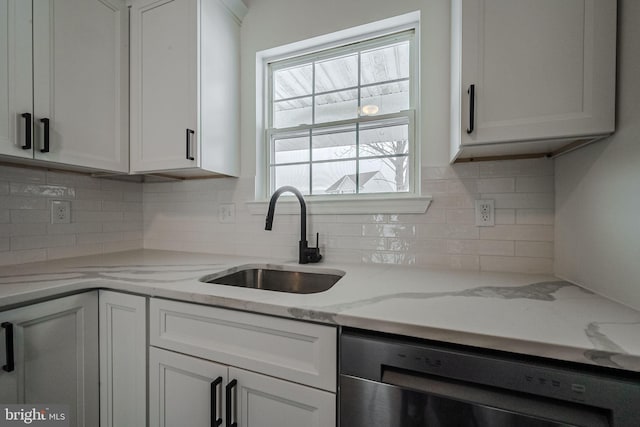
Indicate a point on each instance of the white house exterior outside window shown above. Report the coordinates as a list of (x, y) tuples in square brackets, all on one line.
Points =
[(341, 121)]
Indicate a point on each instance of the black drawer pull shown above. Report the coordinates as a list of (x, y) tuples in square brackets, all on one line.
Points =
[(215, 421), (189, 133), (472, 108), (8, 338), (45, 149), (27, 131), (229, 406)]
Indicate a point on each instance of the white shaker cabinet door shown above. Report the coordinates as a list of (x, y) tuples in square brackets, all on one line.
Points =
[(123, 359), (532, 70), (164, 85), (262, 401), (80, 51), (16, 94), (55, 349), (184, 391)]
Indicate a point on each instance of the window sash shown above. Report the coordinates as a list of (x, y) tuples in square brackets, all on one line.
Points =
[(403, 117), (389, 120)]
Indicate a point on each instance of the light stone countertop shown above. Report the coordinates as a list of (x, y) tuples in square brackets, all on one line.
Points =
[(529, 314)]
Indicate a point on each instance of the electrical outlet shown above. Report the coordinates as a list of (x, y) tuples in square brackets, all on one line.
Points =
[(227, 213), (485, 213), (60, 212)]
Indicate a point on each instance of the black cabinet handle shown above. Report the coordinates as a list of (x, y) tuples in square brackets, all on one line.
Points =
[(189, 133), (27, 131), (472, 107), (46, 135), (215, 421), (8, 337), (229, 406)]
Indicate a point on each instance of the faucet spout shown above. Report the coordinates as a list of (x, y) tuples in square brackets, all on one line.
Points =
[(306, 254), (303, 209)]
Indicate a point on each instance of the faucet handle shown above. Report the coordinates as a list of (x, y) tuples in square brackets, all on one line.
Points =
[(313, 254)]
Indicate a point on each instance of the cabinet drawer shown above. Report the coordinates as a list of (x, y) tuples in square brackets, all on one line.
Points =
[(296, 351)]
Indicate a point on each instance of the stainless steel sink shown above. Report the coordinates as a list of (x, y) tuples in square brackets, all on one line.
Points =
[(277, 278)]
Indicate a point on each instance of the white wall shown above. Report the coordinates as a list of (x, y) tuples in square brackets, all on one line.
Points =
[(598, 189), (183, 215)]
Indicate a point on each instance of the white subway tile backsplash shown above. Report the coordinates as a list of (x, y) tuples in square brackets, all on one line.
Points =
[(518, 232), (496, 185), (460, 216), (38, 242), (516, 168), (505, 216), (18, 174), (521, 200), (14, 202), (534, 249), (535, 216), (30, 216), (535, 184), (26, 233), (516, 264), (21, 257), (109, 215), (55, 191)]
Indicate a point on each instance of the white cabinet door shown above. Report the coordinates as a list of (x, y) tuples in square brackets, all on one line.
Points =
[(184, 391), (164, 85), (540, 69), (56, 356), (123, 360), (263, 401), (15, 77), (80, 53), (185, 86)]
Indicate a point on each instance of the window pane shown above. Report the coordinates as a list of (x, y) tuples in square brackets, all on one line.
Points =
[(292, 82), (294, 175), (290, 150), (334, 178), (384, 175), (292, 113), (334, 143), (337, 73), (385, 63), (376, 139), (337, 106), (385, 98)]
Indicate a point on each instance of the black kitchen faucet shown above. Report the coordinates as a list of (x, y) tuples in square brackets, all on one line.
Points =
[(305, 253)]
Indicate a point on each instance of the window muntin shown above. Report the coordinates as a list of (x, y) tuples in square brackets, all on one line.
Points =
[(341, 121)]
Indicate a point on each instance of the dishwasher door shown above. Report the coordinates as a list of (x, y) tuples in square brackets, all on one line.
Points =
[(421, 402)]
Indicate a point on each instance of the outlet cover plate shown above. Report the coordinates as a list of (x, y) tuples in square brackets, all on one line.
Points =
[(227, 213), (60, 212), (485, 213)]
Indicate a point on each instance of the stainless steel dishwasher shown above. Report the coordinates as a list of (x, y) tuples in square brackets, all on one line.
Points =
[(387, 381)]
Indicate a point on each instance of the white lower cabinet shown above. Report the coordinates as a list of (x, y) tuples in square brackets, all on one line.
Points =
[(241, 369), (54, 359), (123, 360)]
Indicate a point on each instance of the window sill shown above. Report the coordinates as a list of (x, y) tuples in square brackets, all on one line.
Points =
[(346, 206)]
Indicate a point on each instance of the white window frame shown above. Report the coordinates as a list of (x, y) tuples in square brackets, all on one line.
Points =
[(333, 44)]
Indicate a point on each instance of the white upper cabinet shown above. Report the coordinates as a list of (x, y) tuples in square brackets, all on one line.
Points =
[(16, 91), (64, 82), (531, 76), (80, 73), (185, 87)]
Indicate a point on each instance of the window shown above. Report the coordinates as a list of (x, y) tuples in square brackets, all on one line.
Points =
[(341, 121)]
